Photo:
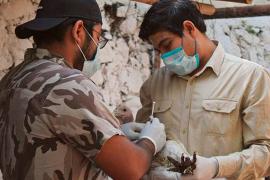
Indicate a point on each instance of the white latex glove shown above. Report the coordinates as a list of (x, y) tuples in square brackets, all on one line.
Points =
[(132, 130), (174, 150), (162, 173), (155, 132), (206, 168)]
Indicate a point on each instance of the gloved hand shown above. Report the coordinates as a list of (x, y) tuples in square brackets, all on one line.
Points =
[(206, 168), (132, 130), (155, 132)]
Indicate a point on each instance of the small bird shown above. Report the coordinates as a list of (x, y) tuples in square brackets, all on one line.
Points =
[(123, 113)]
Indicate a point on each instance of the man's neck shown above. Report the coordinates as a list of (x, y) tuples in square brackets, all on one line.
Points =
[(57, 49), (206, 53)]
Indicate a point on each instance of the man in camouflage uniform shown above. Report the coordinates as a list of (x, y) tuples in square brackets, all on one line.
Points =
[(52, 122)]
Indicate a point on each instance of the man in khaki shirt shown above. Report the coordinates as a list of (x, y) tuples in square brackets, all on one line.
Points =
[(213, 103), (53, 123)]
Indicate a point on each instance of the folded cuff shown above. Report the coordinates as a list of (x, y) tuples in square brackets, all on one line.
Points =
[(227, 166), (150, 139)]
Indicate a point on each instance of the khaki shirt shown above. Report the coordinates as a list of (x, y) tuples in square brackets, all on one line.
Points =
[(52, 122), (222, 111)]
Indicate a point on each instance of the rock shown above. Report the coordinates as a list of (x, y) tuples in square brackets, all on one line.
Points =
[(135, 81), (142, 8), (234, 39), (132, 45), (229, 46), (122, 11), (14, 11), (106, 25), (253, 54), (265, 36), (267, 47), (123, 76), (124, 91), (129, 25), (245, 35), (226, 30), (106, 55), (146, 72), (98, 78), (6, 63), (144, 59), (257, 30), (122, 50), (135, 63), (267, 55)]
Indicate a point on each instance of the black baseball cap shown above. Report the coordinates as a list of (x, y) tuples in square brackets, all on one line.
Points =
[(51, 13)]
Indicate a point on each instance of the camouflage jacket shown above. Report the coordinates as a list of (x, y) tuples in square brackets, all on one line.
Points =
[(52, 122)]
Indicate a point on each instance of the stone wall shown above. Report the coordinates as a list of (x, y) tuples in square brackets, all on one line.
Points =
[(126, 60)]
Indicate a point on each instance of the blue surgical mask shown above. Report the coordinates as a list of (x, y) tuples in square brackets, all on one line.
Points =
[(92, 65), (178, 62)]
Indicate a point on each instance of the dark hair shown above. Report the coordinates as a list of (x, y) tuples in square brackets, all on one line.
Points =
[(57, 33), (169, 15)]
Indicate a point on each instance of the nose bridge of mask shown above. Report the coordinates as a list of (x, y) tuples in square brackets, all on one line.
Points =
[(171, 54)]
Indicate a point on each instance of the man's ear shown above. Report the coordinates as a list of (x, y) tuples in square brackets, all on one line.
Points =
[(78, 32), (189, 27)]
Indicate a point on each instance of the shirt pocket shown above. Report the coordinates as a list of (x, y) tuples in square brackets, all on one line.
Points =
[(162, 106), (218, 115), (162, 110)]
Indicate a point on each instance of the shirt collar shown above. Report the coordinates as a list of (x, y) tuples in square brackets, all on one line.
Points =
[(216, 60), (38, 54)]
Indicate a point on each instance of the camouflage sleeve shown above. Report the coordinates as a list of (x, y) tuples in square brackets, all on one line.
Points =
[(72, 111)]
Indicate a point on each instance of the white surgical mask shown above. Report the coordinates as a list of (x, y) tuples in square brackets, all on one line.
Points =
[(91, 66), (178, 62)]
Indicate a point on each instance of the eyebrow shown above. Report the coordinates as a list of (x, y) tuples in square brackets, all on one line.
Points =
[(161, 42), (99, 33), (155, 49)]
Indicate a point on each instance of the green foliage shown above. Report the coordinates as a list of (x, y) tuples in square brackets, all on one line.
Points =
[(250, 30)]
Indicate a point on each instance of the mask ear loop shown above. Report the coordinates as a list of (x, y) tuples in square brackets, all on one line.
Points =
[(195, 42), (91, 39), (195, 47), (85, 59), (90, 36)]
